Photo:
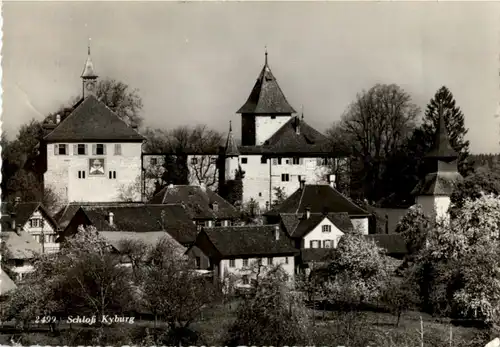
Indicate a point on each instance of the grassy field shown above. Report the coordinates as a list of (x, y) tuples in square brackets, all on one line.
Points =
[(329, 328)]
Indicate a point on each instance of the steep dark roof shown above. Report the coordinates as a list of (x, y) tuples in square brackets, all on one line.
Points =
[(298, 226), (144, 218), (392, 243), (198, 201), (442, 148), (437, 183), (241, 241), (92, 120), (319, 198), (23, 211), (231, 148), (266, 96)]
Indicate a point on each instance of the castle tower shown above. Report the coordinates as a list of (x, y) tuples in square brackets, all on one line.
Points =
[(89, 77), (231, 156), (434, 191), (265, 111)]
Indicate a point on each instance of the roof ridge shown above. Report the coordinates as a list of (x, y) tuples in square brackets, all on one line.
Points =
[(300, 201)]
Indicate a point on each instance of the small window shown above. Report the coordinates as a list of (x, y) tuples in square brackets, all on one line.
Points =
[(198, 262), (279, 161), (215, 207), (244, 160), (327, 228), (315, 244), (153, 161), (285, 177), (327, 243), (263, 160), (112, 175), (245, 280), (287, 161), (232, 262), (81, 174), (118, 149), (245, 262), (273, 117), (194, 161), (62, 149), (99, 150), (286, 260), (82, 149), (36, 223), (270, 261), (260, 194), (296, 161)]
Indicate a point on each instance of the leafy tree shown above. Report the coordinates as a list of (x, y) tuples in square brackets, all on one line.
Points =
[(399, 294), (374, 127), (271, 315), (472, 187), (280, 196), (414, 227), (232, 190)]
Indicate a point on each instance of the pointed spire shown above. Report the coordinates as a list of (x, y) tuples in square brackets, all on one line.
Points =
[(88, 69), (442, 148), (231, 147), (265, 61), (302, 111)]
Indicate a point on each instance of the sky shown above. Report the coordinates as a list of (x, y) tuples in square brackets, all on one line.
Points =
[(196, 63)]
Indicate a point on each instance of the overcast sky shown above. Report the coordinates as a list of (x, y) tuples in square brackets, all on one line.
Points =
[(197, 62)]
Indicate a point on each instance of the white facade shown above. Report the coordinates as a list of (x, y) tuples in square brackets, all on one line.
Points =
[(435, 207), (38, 224), (261, 177), (266, 126), (324, 235), (360, 224), (245, 272), (70, 175)]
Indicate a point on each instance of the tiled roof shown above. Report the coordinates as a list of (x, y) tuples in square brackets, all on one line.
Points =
[(298, 226), (150, 238), (22, 245), (392, 243), (240, 241), (198, 201), (144, 218), (23, 211), (437, 183), (6, 283), (442, 147), (316, 254), (92, 120), (266, 96), (319, 198)]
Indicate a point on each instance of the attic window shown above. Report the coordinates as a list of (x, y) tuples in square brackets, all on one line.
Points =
[(215, 207)]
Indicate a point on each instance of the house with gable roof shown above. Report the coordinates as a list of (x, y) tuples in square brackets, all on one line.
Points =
[(91, 155)]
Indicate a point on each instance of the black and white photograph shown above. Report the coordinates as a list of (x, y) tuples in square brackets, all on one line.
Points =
[(253, 173)]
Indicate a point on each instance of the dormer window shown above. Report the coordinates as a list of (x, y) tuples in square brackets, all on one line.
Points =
[(215, 207)]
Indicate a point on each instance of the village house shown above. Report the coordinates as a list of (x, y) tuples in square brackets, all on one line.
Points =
[(319, 199), (205, 207), (91, 155), (237, 251), (34, 219)]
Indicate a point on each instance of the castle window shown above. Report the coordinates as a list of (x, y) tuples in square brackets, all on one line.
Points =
[(194, 161), (99, 149), (61, 149), (260, 194), (285, 177), (244, 160), (81, 174), (263, 160), (81, 149), (296, 161), (153, 161), (287, 161), (118, 149), (327, 228), (286, 260), (112, 175), (273, 117), (277, 161)]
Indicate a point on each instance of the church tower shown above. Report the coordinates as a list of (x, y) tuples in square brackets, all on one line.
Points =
[(434, 191), (89, 78), (265, 111)]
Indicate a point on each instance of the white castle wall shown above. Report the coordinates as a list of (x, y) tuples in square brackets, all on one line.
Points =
[(266, 126)]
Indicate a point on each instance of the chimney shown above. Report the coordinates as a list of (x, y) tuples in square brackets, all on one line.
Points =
[(111, 218), (308, 212), (331, 180), (170, 185), (297, 126), (13, 220), (58, 119), (277, 232)]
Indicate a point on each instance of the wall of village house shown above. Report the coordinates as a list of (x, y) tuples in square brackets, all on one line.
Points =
[(21, 270), (266, 126), (63, 173), (239, 270), (34, 227), (434, 206), (361, 224), (256, 183), (317, 234)]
